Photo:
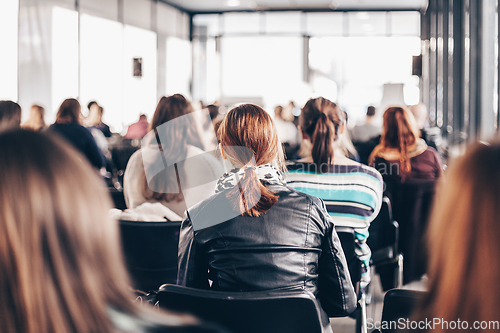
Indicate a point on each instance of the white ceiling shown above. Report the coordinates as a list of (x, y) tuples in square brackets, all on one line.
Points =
[(237, 5)]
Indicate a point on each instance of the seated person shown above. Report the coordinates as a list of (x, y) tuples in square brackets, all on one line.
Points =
[(94, 120), (36, 120), (463, 238), (256, 233), (10, 115), (410, 170), (68, 126), (168, 171), (352, 191), (367, 130), (139, 129), (60, 256)]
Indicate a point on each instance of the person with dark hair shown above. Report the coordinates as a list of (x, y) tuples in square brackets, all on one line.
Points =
[(68, 126), (410, 170), (10, 115), (178, 141), (139, 129), (256, 233), (60, 255), (463, 238), (367, 130), (352, 191)]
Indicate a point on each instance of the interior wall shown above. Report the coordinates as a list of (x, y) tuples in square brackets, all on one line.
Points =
[(62, 54)]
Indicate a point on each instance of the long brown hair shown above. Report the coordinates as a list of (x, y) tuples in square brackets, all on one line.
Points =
[(249, 126), (69, 112), (60, 257), (174, 142), (463, 239), (400, 133), (36, 121), (321, 119)]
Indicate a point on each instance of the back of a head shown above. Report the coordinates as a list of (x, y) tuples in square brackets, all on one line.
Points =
[(10, 115), (69, 112), (250, 127), (399, 132), (175, 133), (320, 120), (278, 111), (60, 256), (463, 240), (370, 111), (36, 120)]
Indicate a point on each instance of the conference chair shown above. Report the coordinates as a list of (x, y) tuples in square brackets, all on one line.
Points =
[(398, 304), (348, 241), (383, 242), (150, 250), (249, 312)]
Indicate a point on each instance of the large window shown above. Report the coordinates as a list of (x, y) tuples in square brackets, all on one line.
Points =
[(8, 56)]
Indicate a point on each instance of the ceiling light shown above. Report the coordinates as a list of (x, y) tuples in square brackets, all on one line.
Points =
[(233, 3)]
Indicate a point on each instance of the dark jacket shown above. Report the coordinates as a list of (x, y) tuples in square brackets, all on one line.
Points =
[(82, 140), (293, 246)]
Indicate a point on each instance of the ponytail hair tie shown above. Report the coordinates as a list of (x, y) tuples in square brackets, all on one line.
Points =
[(249, 167)]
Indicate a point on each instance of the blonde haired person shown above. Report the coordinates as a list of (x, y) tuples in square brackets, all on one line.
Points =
[(60, 256), (463, 244), (36, 120)]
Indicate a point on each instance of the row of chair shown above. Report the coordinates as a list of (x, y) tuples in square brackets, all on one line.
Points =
[(150, 250), (273, 311)]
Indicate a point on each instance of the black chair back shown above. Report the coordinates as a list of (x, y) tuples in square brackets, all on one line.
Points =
[(347, 240), (118, 198), (399, 303), (411, 206), (248, 312), (150, 250), (383, 240)]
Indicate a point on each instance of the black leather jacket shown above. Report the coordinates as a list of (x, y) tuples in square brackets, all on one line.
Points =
[(292, 246)]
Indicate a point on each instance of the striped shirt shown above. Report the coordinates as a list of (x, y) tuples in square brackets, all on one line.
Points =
[(352, 193)]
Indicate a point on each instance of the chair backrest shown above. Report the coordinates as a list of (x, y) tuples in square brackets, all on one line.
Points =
[(248, 312), (383, 240), (150, 250), (118, 198), (411, 206), (399, 303), (348, 241)]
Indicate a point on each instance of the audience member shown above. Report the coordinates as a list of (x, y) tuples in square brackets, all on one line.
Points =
[(278, 238), (352, 192), (10, 115), (60, 257), (139, 129), (367, 130), (410, 170), (179, 141), (68, 126), (36, 120), (287, 131), (463, 242), (94, 120)]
